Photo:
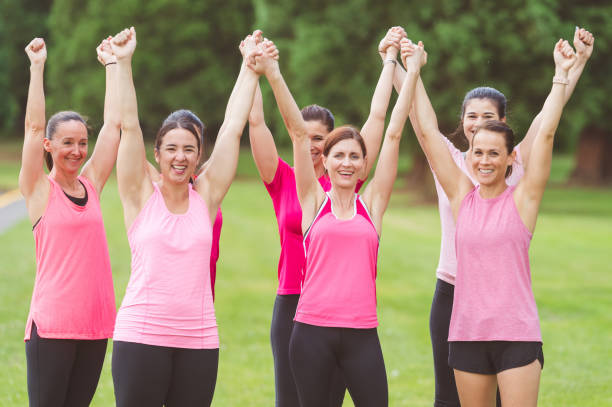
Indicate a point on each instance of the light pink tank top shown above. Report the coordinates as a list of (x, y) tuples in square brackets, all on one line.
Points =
[(493, 296), (73, 293), (340, 281), (168, 300), (447, 264)]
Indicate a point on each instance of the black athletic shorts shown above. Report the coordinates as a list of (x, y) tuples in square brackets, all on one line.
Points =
[(492, 357)]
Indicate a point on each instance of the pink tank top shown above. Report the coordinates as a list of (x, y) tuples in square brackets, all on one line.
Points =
[(340, 282), (168, 300), (283, 192), (493, 296), (447, 265), (214, 250), (73, 293)]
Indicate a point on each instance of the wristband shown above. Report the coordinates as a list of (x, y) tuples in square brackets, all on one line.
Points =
[(393, 61), (560, 80), (110, 63)]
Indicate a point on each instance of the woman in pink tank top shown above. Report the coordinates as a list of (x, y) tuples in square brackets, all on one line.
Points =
[(479, 105), (279, 179), (188, 116), (72, 311), (494, 330), (336, 313), (166, 343)]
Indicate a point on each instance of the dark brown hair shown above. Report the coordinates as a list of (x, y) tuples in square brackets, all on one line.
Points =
[(181, 119), (56, 120), (503, 129), (483, 92), (322, 114), (343, 133)]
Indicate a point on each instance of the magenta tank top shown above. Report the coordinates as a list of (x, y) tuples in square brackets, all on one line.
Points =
[(340, 281), (168, 300), (283, 191), (73, 293), (493, 296)]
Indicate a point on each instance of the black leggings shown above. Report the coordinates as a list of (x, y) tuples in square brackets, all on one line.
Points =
[(439, 323), (63, 372), (280, 335), (315, 352), (153, 376)]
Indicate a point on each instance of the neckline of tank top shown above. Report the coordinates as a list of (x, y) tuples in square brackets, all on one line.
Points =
[(77, 201), (168, 211), (331, 203), (495, 198)]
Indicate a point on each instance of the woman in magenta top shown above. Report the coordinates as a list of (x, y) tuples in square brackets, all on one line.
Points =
[(480, 104), (494, 333), (336, 313), (166, 343), (72, 312), (279, 179)]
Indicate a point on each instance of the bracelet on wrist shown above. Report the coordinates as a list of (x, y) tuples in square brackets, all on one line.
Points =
[(110, 63), (560, 80), (391, 61)]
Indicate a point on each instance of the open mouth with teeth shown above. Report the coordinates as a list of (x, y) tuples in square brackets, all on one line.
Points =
[(180, 169)]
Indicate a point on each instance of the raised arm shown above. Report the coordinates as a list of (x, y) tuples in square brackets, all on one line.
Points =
[(529, 192), (102, 161), (374, 126), (263, 147), (583, 42), (454, 182), (32, 181), (220, 170), (378, 192), (134, 184)]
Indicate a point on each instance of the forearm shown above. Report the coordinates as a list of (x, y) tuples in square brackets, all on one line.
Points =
[(287, 106), (256, 116), (35, 107), (240, 103), (404, 103), (127, 96), (573, 76), (112, 115), (382, 93)]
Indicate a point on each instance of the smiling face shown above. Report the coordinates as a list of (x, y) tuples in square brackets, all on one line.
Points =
[(345, 163), (489, 158), (68, 146), (477, 111), (317, 132), (177, 155)]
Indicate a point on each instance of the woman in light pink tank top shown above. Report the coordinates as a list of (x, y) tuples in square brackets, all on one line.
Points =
[(279, 179), (166, 343), (494, 331), (336, 315), (479, 104), (72, 312)]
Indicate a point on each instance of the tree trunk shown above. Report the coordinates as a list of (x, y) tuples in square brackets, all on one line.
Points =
[(420, 178), (593, 157)]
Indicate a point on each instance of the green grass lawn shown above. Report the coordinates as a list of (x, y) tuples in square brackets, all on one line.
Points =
[(572, 280)]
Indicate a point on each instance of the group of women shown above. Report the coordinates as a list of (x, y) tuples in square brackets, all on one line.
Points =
[(323, 334)]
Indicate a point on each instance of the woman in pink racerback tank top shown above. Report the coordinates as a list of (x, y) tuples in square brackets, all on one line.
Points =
[(166, 343), (336, 313), (279, 179), (72, 312), (494, 336)]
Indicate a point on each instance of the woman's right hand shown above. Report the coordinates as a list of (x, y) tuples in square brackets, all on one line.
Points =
[(391, 40), (413, 55), (124, 44), (37, 51), (564, 56), (105, 52)]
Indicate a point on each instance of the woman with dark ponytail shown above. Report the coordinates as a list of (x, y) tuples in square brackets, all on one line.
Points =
[(479, 105), (72, 312)]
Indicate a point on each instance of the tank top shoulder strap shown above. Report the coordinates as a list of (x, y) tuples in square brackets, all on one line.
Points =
[(325, 208), (89, 187)]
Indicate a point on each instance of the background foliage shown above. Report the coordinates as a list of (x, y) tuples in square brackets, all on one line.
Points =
[(187, 54)]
